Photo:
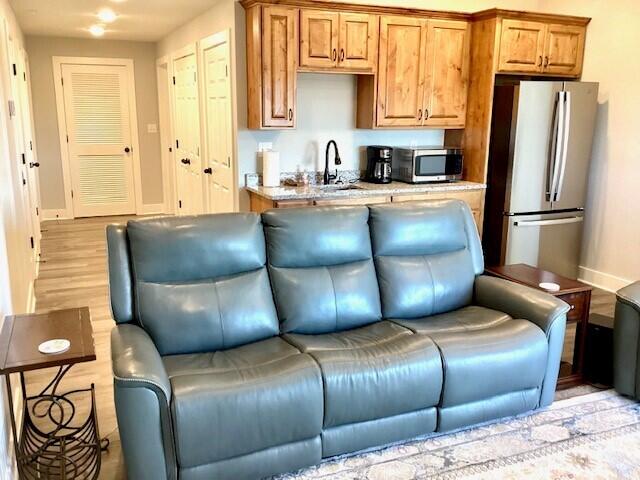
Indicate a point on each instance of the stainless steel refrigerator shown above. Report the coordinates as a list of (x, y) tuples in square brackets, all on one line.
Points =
[(539, 156)]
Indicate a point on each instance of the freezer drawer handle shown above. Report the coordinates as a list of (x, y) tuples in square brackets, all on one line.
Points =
[(542, 223)]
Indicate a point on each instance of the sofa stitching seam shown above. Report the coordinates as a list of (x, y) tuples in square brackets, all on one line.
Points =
[(335, 297), (215, 288)]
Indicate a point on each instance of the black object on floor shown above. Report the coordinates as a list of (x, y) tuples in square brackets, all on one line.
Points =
[(599, 351)]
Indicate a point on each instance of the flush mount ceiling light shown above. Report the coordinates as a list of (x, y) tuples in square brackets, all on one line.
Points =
[(107, 15), (96, 30)]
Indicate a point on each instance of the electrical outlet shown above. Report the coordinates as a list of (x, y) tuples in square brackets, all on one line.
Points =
[(152, 128), (265, 146)]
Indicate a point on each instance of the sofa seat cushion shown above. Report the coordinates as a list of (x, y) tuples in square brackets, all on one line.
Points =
[(464, 319), (374, 372), (234, 402), (508, 357)]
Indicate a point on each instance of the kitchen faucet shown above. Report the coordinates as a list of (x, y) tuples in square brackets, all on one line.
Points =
[(327, 176)]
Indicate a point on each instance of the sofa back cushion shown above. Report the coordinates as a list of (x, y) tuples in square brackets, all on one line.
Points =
[(200, 283), (427, 255), (321, 268)]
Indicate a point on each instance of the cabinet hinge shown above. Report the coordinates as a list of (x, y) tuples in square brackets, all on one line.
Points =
[(33, 243), (15, 69), (179, 203), (174, 80), (62, 80), (24, 76), (177, 144), (37, 211), (170, 149), (71, 193), (24, 159), (30, 144), (24, 182), (67, 138), (12, 109)]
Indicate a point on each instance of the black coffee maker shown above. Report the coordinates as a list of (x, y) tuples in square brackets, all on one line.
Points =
[(378, 164)]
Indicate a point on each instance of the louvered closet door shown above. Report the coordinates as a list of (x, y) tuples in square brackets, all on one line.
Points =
[(97, 113)]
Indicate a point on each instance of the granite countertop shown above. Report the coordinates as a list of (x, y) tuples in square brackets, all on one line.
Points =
[(358, 189)]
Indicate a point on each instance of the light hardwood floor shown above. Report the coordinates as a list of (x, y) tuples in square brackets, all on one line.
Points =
[(73, 273)]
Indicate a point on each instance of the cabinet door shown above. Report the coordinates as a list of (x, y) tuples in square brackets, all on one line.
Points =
[(319, 39), (358, 46), (447, 72), (279, 54), (564, 49), (521, 46), (401, 71)]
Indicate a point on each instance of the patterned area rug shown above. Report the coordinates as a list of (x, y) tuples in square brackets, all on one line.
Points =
[(592, 436)]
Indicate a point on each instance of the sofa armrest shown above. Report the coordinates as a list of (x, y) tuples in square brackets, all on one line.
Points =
[(626, 341), (142, 394), (520, 301), (630, 295), (546, 311)]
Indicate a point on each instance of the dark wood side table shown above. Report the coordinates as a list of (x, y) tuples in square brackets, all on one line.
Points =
[(575, 293), (52, 443)]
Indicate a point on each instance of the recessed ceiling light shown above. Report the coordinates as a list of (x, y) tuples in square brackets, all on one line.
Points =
[(96, 30), (107, 15)]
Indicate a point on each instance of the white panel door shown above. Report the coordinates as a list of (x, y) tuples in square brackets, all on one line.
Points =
[(31, 160), (187, 130), (96, 100), (220, 181)]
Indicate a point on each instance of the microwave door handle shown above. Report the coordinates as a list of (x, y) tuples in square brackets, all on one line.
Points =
[(565, 143), (544, 223), (553, 143), (557, 159)]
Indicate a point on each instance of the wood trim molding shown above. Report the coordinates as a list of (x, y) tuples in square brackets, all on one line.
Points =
[(355, 7), (419, 12), (535, 16)]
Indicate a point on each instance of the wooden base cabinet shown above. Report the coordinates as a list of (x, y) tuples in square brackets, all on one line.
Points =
[(474, 198)]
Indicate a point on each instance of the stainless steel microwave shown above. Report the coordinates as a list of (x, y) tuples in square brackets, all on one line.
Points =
[(426, 164)]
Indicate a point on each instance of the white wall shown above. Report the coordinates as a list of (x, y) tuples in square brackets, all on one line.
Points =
[(41, 50), (16, 276), (611, 247)]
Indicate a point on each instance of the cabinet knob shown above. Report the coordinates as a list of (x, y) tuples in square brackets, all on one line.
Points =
[(419, 114), (208, 170), (540, 61), (426, 114), (546, 61), (186, 161), (127, 149), (290, 114), (342, 54), (34, 164), (335, 54)]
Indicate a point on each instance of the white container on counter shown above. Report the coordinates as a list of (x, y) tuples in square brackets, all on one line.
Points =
[(270, 169)]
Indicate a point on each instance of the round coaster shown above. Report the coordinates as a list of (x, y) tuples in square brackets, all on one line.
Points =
[(552, 287), (57, 345)]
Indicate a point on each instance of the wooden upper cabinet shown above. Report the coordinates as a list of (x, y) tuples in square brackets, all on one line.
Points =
[(542, 48), (447, 73), (318, 38), (401, 71), (358, 41), (564, 49), (521, 46), (330, 40), (279, 62)]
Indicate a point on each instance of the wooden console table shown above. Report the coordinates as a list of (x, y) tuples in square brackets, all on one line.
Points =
[(52, 442), (575, 293)]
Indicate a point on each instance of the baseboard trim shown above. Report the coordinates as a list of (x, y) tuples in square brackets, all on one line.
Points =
[(56, 214), (151, 209), (602, 280)]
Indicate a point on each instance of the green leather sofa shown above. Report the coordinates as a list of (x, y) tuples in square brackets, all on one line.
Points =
[(250, 345), (626, 341)]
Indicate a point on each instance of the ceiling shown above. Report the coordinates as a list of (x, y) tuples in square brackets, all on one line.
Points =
[(141, 20)]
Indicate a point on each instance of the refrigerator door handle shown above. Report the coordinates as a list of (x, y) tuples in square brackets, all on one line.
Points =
[(553, 145), (543, 223), (565, 143), (557, 158)]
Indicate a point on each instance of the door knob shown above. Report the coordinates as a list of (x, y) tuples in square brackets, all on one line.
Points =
[(186, 161), (34, 164), (208, 170), (127, 149)]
